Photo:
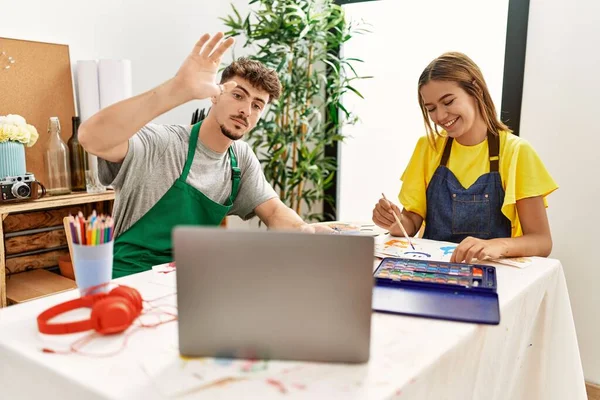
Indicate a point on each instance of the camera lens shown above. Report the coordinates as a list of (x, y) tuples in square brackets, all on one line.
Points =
[(21, 190)]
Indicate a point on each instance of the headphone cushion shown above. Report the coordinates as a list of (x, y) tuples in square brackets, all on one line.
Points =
[(112, 315), (131, 294)]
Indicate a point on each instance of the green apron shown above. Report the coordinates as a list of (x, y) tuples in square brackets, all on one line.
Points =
[(148, 241)]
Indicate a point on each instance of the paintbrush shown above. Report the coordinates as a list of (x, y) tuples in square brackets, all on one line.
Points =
[(398, 222)]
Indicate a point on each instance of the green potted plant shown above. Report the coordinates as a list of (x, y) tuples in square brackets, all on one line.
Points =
[(301, 41), (15, 134)]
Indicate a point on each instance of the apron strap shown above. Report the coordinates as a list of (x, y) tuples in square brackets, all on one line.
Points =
[(191, 150), (447, 148), (494, 151), (236, 175)]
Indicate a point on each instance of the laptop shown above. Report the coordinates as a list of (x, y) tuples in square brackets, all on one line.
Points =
[(273, 294)]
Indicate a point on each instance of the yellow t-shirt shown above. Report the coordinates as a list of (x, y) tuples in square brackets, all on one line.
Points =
[(521, 170)]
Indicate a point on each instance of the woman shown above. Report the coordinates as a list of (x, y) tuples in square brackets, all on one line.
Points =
[(473, 182)]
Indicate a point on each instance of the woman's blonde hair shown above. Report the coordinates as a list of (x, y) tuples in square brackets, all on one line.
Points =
[(457, 67)]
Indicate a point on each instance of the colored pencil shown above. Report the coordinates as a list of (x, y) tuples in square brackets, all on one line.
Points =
[(96, 230)]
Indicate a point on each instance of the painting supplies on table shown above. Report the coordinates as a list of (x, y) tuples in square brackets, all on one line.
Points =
[(437, 289), (93, 231), (92, 250)]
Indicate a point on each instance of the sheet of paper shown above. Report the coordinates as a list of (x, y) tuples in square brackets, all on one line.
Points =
[(517, 262), (354, 228), (114, 81), (390, 246)]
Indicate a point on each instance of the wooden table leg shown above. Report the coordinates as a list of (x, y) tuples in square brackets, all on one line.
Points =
[(2, 263)]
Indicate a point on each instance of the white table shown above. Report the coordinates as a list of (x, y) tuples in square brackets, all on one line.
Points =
[(532, 354)]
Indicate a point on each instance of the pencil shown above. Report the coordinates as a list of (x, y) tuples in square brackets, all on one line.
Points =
[(83, 230), (110, 229), (398, 222)]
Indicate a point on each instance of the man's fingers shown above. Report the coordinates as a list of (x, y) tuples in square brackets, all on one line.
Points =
[(200, 43), (221, 49), (209, 47), (228, 86)]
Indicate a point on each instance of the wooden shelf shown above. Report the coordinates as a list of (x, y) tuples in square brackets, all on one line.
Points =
[(44, 213), (34, 284), (56, 201)]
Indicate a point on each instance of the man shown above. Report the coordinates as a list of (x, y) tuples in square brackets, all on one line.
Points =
[(168, 175)]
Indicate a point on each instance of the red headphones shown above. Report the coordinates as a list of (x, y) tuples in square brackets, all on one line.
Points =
[(111, 313)]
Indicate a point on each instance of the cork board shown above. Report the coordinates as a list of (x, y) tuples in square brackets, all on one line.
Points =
[(37, 86)]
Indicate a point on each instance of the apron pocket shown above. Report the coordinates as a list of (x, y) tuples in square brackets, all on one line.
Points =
[(471, 215)]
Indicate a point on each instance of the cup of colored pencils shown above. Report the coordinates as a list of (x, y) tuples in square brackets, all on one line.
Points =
[(93, 231), (92, 249)]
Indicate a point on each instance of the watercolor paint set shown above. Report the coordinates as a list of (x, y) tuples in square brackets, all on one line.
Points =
[(437, 289), (436, 274)]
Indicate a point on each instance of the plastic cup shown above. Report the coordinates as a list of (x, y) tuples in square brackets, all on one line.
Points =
[(93, 266)]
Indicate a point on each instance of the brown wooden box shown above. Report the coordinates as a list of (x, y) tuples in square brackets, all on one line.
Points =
[(32, 238)]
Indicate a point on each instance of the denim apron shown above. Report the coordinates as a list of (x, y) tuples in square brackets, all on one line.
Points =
[(453, 212), (148, 241)]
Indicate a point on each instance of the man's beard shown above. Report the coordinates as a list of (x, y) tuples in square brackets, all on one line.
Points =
[(230, 134)]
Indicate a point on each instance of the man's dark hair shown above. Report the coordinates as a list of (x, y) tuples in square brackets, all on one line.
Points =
[(256, 73)]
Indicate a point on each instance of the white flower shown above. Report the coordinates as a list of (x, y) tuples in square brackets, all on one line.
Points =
[(15, 128), (33, 135), (15, 119)]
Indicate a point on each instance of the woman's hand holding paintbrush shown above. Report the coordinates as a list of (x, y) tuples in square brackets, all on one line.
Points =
[(386, 215)]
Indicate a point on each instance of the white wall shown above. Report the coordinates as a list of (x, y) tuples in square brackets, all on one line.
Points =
[(155, 36), (407, 36), (560, 104)]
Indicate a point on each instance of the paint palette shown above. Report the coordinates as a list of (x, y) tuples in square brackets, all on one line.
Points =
[(407, 272)]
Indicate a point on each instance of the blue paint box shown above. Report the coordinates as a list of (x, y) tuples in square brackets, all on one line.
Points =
[(437, 289)]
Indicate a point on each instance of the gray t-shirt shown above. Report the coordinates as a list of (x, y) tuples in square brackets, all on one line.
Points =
[(155, 160)]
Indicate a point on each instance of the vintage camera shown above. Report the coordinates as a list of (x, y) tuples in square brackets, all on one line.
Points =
[(18, 188)]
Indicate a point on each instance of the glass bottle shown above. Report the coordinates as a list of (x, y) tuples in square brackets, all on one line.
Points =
[(78, 158), (57, 161)]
